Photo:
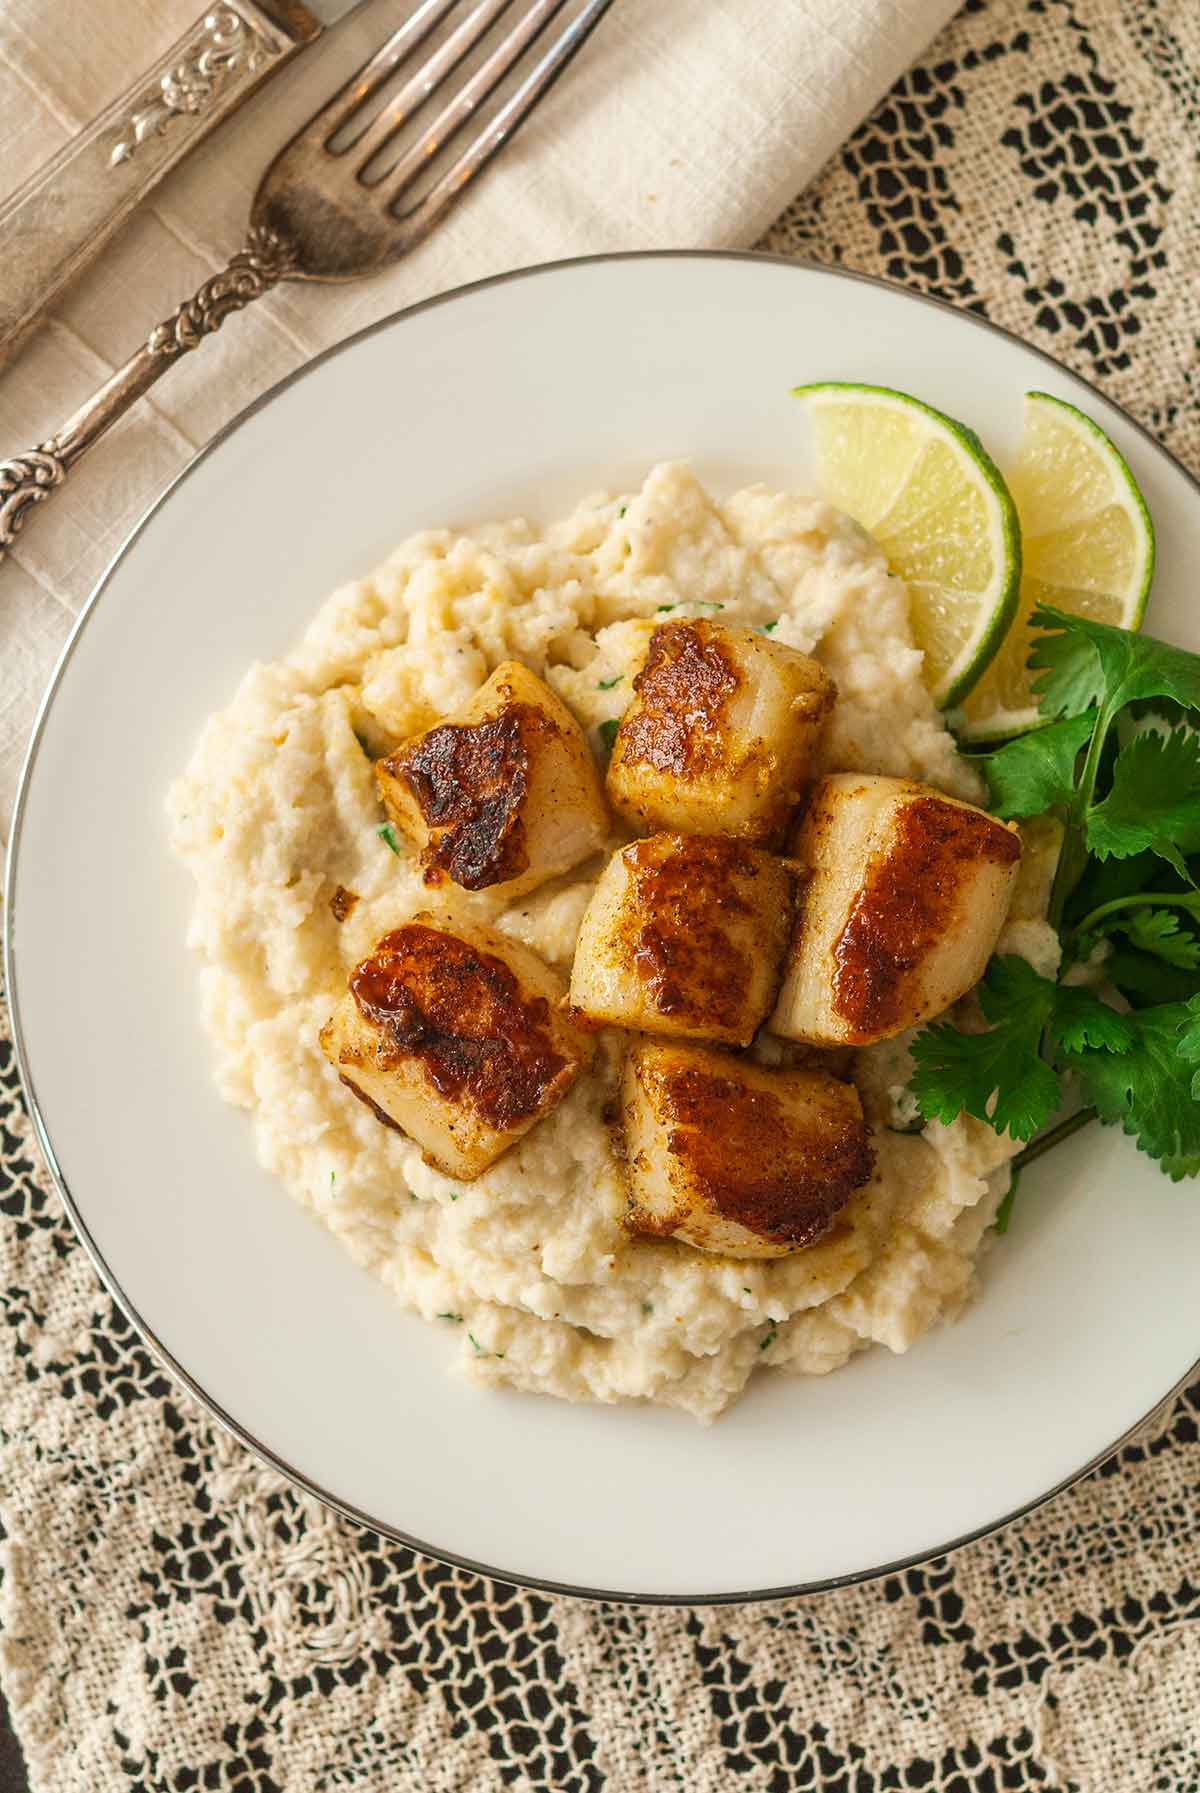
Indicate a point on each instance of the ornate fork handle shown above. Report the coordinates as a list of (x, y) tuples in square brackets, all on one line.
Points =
[(28, 479)]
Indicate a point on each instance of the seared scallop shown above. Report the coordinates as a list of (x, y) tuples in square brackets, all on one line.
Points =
[(906, 893), (720, 734), (685, 935), (504, 793), (455, 1036), (736, 1159)]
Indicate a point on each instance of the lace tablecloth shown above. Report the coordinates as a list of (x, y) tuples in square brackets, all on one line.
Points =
[(175, 1616)]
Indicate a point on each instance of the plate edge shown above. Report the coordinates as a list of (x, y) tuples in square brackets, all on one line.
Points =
[(175, 1370)]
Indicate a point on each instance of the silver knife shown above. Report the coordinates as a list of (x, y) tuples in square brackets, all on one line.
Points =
[(55, 224)]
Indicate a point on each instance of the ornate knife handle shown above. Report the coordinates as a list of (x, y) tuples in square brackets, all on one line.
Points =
[(53, 225), (28, 479)]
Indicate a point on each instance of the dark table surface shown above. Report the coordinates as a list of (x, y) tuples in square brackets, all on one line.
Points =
[(12, 1766)]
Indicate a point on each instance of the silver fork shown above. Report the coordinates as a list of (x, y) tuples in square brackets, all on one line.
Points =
[(321, 211)]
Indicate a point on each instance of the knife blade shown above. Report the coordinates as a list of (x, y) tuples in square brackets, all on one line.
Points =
[(60, 220)]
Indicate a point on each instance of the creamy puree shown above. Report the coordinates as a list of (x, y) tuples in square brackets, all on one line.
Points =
[(528, 1270)]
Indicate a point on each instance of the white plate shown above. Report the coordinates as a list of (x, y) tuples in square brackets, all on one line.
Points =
[(523, 394)]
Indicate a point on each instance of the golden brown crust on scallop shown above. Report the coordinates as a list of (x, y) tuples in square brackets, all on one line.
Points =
[(909, 899), (685, 889), (684, 937), (459, 1011), (721, 732), (469, 781), (685, 687), (755, 1165)]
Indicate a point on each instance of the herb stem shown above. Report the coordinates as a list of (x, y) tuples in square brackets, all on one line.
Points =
[(1073, 854), (1181, 899), (1004, 1211), (1054, 1137)]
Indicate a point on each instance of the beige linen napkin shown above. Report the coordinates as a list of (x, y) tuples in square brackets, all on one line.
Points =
[(682, 123)]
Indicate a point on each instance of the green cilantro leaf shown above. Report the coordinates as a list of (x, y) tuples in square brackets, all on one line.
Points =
[(1143, 980), (1148, 1090), (387, 833), (1158, 931), (1070, 676), (770, 628), (1080, 1020), (1083, 664), (998, 1076), (1011, 985), (607, 732), (608, 684), (1125, 811), (456, 1318), (1001, 1076), (1154, 802), (1189, 1041), (1037, 770), (1180, 1167)]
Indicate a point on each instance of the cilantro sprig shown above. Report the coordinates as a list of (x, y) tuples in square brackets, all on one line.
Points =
[(1117, 763), (1147, 1090), (1008, 1076), (1084, 667)]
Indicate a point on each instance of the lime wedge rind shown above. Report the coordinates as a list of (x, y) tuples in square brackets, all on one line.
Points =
[(997, 605), (992, 715), (1132, 492)]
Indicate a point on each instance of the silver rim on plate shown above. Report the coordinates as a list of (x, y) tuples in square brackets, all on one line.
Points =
[(173, 1367)]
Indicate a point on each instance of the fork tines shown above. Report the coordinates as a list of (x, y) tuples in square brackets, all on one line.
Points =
[(488, 61)]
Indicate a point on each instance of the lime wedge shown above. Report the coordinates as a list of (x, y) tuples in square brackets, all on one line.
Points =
[(925, 488), (1089, 548)]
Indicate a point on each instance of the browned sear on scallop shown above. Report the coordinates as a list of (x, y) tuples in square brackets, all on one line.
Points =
[(680, 944), (685, 688), (721, 732), (505, 792), (905, 894), (740, 1149), (461, 1013), (685, 935), (732, 1157), (456, 1035), (470, 781), (909, 899)]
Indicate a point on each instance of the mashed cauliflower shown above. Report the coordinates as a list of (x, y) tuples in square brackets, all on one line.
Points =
[(529, 1270)]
